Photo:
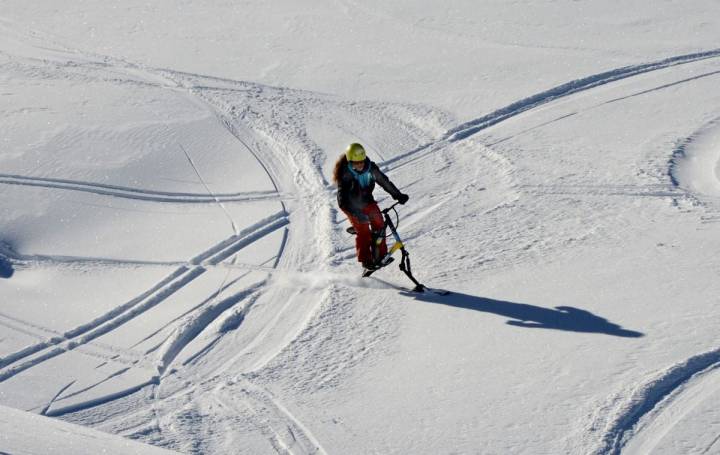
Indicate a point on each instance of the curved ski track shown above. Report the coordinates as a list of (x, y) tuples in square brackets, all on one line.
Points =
[(271, 163), (475, 126), (620, 417)]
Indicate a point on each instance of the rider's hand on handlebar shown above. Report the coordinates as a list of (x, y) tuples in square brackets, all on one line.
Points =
[(403, 198)]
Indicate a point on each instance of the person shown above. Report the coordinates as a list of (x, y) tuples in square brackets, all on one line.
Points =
[(355, 176)]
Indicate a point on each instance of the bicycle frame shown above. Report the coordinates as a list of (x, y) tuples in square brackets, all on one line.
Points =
[(399, 245)]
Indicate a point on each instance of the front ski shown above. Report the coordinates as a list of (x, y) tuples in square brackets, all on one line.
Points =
[(435, 291), (421, 289)]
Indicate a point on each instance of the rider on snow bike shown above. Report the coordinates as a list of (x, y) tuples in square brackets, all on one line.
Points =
[(355, 176)]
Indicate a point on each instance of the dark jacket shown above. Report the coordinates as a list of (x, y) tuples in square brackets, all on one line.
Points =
[(355, 188)]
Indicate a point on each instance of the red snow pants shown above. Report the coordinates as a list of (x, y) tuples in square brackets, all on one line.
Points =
[(364, 229)]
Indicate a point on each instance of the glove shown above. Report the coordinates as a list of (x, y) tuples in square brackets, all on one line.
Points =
[(403, 198)]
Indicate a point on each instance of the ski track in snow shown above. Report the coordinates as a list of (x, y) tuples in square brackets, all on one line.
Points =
[(138, 194), (296, 438), (607, 190), (472, 127), (284, 431), (181, 277), (96, 349), (36, 354), (191, 326), (52, 400), (185, 332), (215, 380), (617, 420), (84, 262), (684, 422)]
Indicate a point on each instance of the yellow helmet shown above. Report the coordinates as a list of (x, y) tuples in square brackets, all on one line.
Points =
[(355, 152)]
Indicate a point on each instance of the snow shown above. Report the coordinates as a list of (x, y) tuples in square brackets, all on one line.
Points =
[(24, 433), (174, 269), (697, 164)]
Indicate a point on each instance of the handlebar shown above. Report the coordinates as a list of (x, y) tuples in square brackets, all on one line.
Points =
[(385, 211)]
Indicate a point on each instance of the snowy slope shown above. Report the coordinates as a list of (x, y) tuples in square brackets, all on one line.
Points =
[(174, 268), (29, 434)]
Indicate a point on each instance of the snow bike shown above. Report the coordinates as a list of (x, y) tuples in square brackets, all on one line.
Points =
[(405, 267)]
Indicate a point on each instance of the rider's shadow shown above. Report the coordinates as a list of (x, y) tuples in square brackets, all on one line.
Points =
[(529, 316), (6, 269)]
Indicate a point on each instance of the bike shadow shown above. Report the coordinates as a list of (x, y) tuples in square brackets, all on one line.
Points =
[(565, 318)]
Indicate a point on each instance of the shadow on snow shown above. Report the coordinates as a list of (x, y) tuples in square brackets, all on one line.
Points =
[(529, 316), (6, 269)]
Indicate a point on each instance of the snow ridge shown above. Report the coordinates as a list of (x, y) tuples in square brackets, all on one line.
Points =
[(694, 162), (195, 323), (619, 425)]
